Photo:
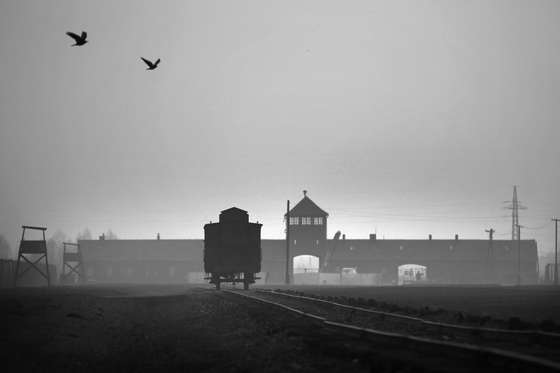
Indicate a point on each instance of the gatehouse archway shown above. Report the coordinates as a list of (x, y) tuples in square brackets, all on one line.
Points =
[(306, 270), (306, 264)]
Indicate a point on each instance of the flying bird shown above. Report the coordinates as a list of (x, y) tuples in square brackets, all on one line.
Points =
[(151, 65), (80, 39)]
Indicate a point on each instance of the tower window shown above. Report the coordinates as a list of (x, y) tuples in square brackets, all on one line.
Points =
[(306, 220), (318, 221), (294, 220)]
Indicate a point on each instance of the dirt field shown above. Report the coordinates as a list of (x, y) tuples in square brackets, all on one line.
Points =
[(533, 304), (180, 328), (168, 328)]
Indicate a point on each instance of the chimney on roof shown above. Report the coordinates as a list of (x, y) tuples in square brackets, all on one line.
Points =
[(430, 237), (373, 236), (456, 237), (343, 236), (305, 193)]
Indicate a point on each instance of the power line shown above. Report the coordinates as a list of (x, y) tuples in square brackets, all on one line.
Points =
[(420, 216), (538, 228)]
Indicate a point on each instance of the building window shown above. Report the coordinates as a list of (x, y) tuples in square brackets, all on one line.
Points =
[(294, 220), (318, 221), (306, 220)]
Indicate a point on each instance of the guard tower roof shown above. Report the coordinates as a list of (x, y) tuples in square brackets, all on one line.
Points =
[(306, 207)]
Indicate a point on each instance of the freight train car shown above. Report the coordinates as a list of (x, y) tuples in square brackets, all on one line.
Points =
[(232, 249)]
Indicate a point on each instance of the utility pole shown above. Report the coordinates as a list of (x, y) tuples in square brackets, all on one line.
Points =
[(490, 255), (518, 255), (555, 220), (288, 243), (491, 237), (514, 214)]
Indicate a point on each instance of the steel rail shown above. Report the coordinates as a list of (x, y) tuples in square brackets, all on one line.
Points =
[(418, 319), (504, 354)]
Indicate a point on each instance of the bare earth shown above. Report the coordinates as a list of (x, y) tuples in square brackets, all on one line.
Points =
[(181, 328), (165, 328)]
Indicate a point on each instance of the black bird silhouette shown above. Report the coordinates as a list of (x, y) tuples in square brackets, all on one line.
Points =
[(80, 39), (151, 65)]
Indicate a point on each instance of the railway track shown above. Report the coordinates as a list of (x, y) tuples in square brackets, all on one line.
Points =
[(521, 351), (477, 330)]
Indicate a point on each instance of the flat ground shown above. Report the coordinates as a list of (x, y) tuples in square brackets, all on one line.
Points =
[(530, 303), (181, 328), (171, 328)]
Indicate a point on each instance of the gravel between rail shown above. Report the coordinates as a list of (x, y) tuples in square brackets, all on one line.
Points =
[(533, 345)]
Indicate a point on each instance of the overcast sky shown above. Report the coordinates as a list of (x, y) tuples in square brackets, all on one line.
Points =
[(401, 117)]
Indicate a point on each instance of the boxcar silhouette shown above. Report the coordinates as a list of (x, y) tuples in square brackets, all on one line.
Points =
[(232, 249)]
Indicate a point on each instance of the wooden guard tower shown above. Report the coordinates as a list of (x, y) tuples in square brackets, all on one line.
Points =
[(33, 247), (72, 262)]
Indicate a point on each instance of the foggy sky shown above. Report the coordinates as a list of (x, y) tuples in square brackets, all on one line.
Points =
[(401, 117)]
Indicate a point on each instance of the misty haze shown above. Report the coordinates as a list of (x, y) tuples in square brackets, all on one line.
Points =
[(280, 185)]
